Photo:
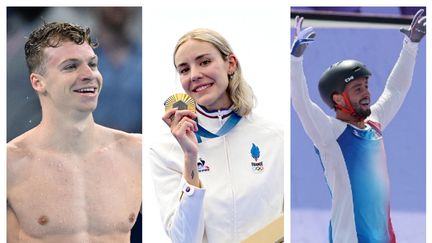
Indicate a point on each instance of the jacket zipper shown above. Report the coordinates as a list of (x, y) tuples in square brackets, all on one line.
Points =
[(234, 210)]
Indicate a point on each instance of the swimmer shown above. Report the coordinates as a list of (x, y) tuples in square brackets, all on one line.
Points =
[(70, 179)]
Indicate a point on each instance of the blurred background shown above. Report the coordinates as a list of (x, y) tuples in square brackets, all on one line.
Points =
[(118, 31), (371, 35)]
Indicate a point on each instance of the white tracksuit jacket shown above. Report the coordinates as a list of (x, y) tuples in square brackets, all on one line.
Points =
[(238, 196)]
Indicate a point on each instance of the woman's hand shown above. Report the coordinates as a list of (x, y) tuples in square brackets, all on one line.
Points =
[(183, 128)]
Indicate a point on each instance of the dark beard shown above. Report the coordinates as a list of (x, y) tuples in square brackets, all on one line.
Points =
[(363, 114)]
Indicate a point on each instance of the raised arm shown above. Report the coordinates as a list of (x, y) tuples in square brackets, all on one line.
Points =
[(176, 179), (315, 122), (400, 78)]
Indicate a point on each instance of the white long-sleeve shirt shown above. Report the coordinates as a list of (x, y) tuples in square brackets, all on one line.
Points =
[(354, 159), (240, 194)]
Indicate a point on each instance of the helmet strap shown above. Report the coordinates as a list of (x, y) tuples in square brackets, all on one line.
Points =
[(348, 108)]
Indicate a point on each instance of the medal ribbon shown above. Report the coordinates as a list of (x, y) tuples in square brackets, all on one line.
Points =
[(229, 124)]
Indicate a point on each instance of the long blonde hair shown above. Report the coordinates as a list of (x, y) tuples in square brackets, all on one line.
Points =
[(238, 90)]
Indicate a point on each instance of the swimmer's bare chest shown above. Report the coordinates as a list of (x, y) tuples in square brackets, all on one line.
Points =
[(96, 194)]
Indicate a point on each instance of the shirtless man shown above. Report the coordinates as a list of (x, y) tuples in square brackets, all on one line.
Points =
[(70, 179)]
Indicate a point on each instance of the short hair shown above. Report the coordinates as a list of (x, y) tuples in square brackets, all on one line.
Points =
[(239, 91), (53, 35)]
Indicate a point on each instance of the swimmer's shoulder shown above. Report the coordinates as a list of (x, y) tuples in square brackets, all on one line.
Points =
[(129, 144), (20, 148), (130, 141), (20, 156)]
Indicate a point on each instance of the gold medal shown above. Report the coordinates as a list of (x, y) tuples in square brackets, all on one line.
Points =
[(181, 101)]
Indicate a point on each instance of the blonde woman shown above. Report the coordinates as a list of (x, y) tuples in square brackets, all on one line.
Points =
[(219, 172)]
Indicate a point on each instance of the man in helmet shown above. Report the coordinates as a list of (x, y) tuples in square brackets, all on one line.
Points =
[(345, 80), (352, 150)]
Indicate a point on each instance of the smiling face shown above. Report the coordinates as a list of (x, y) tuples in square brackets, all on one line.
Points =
[(359, 96), (204, 73), (72, 80)]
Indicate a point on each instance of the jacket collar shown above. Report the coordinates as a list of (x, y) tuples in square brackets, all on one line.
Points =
[(214, 114), (212, 120)]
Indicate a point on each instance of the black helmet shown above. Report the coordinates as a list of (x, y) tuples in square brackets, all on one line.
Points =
[(337, 76)]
